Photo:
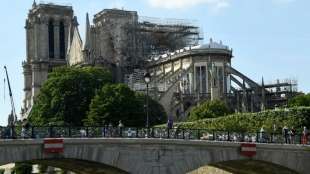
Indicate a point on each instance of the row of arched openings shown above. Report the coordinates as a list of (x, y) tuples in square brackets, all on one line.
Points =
[(51, 39)]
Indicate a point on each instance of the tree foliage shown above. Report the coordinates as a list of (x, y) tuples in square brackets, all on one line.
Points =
[(65, 96), (300, 100), (42, 168), (22, 168), (156, 111), (209, 109), (62, 171), (118, 102)]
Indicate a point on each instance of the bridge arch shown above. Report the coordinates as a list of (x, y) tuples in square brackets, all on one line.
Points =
[(152, 156), (79, 166), (243, 166)]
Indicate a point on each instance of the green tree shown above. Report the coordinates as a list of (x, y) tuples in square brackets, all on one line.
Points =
[(157, 114), (209, 109), (22, 168), (2, 171), (62, 171), (65, 96), (300, 100), (118, 102)]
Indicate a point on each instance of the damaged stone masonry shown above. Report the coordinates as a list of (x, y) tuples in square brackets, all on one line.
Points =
[(184, 72)]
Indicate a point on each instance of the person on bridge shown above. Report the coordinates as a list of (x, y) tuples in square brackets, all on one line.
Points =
[(1, 136), (103, 130), (274, 131), (170, 123), (129, 133), (110, 130), (120, 127), (292, 135), (285, 133), (305, 135), (25, 129), (262, 135)]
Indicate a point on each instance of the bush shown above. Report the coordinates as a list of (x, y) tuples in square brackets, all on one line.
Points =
[(296, 117), (300, 100), (42, 168), (209, 109), (22, 168)]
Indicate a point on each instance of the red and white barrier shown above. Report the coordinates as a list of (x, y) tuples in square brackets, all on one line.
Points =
[(248, 149), (53, 146)]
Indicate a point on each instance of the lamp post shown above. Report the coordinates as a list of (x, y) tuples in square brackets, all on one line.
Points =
[(147, 79)]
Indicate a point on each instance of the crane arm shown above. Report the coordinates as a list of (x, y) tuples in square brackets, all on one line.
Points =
[(14, 119)]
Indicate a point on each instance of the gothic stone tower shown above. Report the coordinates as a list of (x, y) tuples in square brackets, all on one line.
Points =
[(47, 28), (113, 40)]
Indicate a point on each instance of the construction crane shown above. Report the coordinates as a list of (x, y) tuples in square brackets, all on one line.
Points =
[(12, 117)]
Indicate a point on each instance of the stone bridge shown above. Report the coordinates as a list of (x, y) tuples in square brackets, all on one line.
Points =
[(147, 156)]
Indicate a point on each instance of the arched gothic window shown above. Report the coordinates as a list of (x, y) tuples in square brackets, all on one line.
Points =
[(51, 38), (62, 46)]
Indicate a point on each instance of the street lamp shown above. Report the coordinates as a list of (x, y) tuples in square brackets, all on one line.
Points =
[(147, 79)]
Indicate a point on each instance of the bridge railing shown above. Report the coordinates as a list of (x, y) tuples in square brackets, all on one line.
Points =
[(163, 133)]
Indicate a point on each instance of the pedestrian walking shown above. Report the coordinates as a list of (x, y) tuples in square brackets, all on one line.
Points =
[(120, 127), (292, 135), (23, 132), (261, 135), (285, 134), (24, 129), (170, 123), (274, 130), (129, 133), (110, 129), (104, 131), (83, 133), (305, 135)]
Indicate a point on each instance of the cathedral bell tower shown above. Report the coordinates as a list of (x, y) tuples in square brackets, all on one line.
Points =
[(47, 32)]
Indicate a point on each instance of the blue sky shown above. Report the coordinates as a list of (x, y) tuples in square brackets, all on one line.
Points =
[(270, 38)]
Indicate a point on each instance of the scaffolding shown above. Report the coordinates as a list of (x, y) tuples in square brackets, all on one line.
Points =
[(277, 94), (282, 86), (135, 80), (159, 36)]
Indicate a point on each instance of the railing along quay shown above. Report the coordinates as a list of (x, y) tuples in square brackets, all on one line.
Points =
[(160, 133)]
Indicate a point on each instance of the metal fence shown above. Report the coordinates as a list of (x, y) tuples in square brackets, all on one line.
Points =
[(163, 133)]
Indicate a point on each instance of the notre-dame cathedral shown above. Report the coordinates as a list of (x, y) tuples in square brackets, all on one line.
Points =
[(183, 72)]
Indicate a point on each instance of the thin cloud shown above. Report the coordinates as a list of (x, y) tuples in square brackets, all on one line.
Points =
[(283, 1), (180, 4), (117, 4)]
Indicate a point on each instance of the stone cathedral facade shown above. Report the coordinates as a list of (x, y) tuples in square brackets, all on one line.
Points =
[(117, 39), (46, 45)]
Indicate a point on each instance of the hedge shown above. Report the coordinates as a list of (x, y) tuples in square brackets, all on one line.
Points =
[(296, 117)]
